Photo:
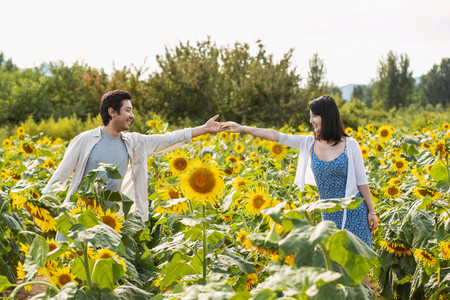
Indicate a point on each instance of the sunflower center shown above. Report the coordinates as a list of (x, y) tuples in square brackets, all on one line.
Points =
[(384, 133), (258, 201), (89, 201), (27, 148), (51, 247), (105, 255), (110, 221), (392, 190), (180, 164), (228, 171), (173, 194), (202, 180), (63, 279), (277, 149), (399, 164), (426, 256)]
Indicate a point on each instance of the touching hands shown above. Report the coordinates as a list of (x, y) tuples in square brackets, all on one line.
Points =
[(231, 126)]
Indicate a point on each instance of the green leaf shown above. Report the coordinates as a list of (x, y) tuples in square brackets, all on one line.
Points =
[(89, 219), (266, 294), (129, 291), (68, 291), (11, 221), (351, 253), (331, 205), (304, 237), (100, 235), (241, 295), (443, 187), (63, 223), (79, 270), (439, 173), (230, 256), (36, 257), (174, 270), (426, 159), (215, 237), (275, 212), (4, 283), (106, 272)]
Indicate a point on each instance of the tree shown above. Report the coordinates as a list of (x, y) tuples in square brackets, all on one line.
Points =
[(435, 85), (394, 86), (363, 93)]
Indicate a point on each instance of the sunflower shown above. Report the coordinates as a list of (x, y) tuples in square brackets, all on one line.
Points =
[(24, 248), (365, 152), (242, 237), (440, 147), (21, 275), (418, 174), (20, 131), (151, 123), (397, 249), (425, 257), (112, 219), (251, 281), (392, 191), (257, 200), (52, 244), (400, 165), (168, 191), (42, 217), (49, 268), (444, 249), (223, 135), (179, 164), (89, 202), (446, 126), (203, 183), (231, 159), (422, 192), (77, 209), (290, 259), (348, 131), (27, 148), (239, 183), (61, 276), (425, 145), (49, 163), (178, 206), (278, 151), (370, 127), (57, 141), (239, 147), (7, 143), (105, 254), (385, 133)]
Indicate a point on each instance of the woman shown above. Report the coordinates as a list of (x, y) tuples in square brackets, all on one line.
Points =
[(330, 160)]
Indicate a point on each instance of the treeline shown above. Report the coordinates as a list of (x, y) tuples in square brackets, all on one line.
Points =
[(194, 82)]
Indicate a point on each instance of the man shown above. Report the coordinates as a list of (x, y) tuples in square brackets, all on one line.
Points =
[(129, 151)]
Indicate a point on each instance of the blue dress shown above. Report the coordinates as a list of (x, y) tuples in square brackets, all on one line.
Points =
[(331, 179)]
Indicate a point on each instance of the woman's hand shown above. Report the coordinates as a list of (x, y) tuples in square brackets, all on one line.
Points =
[(231, 126), (373, 222)]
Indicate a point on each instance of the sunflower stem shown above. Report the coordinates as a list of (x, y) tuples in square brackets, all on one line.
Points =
[(205, 245), (19, 287), (86, 265)]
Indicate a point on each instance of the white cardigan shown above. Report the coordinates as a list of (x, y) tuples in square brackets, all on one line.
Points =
[(356, 172), (139, 147)]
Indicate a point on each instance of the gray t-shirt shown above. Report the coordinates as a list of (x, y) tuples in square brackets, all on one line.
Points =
[(110, 150)]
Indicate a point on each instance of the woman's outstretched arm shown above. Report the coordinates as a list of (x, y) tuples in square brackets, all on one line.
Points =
[(262, 133)]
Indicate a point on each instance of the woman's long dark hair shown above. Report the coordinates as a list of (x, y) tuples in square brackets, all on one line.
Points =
[(331, 127)]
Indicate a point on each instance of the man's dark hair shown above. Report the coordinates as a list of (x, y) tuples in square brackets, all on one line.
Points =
[(331, 127), (112, 99)]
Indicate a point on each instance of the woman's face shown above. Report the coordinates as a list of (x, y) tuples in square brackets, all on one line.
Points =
[(316, 122)]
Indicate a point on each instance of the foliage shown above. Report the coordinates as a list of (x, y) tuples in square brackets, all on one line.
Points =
[(261, 237), (394, 86), (435, 85)]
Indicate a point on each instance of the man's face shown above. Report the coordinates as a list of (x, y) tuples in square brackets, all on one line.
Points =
[(123, 120)]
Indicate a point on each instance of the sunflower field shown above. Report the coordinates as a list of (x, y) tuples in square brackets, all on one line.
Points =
[(226, 222)]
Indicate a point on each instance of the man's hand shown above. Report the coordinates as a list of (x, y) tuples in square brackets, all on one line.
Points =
[(211, 126)]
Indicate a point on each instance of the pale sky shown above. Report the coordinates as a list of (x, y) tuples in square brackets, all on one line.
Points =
[(350, 36)]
